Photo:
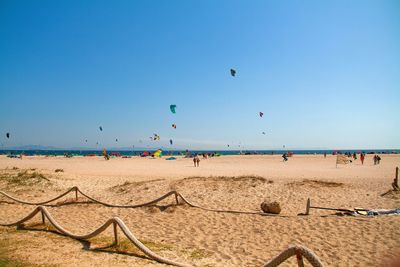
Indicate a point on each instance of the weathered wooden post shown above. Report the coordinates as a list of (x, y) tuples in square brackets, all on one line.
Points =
[(308, 206), (299, 258), (43, 218), (396, 184), (76, 193), (115, 233)]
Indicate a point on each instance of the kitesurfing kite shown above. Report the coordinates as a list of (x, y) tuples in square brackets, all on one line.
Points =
[(170, 141), (86, 140), (116, 140), (228, 145), (261, 114), (172, 108), (174, 126), (156, 137), (8, 135), (158, 153), (97, 143), (263, 132), (233, 72), (101, 128)]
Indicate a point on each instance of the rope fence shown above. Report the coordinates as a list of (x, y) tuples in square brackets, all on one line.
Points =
[(178, 197), (117, 223)]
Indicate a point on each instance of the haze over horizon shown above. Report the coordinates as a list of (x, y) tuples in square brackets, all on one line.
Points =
[(324, 73)]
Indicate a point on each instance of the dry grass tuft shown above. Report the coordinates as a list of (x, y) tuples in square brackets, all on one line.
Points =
[(127, 186), (24, 178), (315, 183)]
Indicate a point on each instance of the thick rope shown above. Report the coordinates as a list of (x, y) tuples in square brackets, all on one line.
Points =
[(293, 251), (283, 256), (150, 203), (116, 221)]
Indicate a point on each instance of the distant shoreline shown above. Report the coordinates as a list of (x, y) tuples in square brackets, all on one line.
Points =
[(31, 152)]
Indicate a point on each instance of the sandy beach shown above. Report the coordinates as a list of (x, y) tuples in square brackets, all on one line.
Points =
[(194, 236)]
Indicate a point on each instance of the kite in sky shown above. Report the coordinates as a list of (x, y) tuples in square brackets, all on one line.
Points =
[(116, 140), (261, 114), (174, 126), (172, 108), (233, 72), (170, 141), (8, 135), (86, 140), (101, 128), (263, 132)]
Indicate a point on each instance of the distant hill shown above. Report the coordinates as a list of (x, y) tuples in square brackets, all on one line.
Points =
[(40, 147)]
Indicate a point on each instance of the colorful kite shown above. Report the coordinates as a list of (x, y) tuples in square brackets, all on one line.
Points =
[(174, 126), (172, 108), (158, 153)]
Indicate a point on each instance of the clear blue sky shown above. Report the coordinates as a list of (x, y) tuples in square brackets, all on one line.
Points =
[(326, 74)]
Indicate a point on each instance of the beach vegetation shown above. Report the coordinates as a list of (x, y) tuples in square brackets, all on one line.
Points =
[(24, 178), (315, 183)]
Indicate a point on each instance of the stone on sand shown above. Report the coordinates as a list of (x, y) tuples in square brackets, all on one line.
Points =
[(271, 207)]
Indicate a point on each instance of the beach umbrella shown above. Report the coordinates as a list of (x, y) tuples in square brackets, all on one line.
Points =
[(172, 108), (8, 135), (233, 72)]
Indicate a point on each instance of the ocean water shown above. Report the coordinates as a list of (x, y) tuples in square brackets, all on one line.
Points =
[(180, 152)]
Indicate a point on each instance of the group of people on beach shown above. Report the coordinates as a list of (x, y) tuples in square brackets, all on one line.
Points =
[(377, 159)]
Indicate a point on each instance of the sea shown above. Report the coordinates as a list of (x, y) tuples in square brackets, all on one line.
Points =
[(184, 152)]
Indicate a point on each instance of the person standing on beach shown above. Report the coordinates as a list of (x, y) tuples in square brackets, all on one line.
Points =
[(325, 155), (105, 155), (196, 161), (284, 156), (362, 157)]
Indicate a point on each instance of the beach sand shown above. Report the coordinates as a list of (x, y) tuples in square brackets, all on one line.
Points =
[(194, 236)]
